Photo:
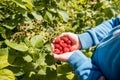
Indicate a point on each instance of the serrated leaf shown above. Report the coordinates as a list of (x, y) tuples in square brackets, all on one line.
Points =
[(48, 16), (64, 15), (20, 47), (3, 58), (2, 30), (3, 51), (110, 12), (27, 42), (29, 4), (89, 54), (70, 75), (27, 58), (37, 41), (42, 72), (6, 74), (19, 3), (41, 60), (3, 61), (37, 16), (8, 25)]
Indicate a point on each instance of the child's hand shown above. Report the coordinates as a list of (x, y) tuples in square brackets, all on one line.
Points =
[(62, 57), (64, 45)]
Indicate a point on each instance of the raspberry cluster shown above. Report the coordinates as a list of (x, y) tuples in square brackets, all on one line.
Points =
[(62, 45)]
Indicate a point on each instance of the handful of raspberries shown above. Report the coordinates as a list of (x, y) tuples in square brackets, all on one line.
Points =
[(62, 45)]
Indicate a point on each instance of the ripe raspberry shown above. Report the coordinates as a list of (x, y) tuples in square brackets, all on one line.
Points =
[(56, 51), (62, 45), (66, 50), (57, 40), (68, 46), (60, 48), (61, 42), (61, 52), (71, 49), (69, 42), (65, 39), (57, 46)]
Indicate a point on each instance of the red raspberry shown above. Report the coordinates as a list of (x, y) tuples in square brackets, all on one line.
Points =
[(71, 49), (61, 52), (66, 50), (57, 46), (65, 39), (69, 42), (57, 40), (68, 46), (60, 48), (56, 51), (64, 45), (61, 42)]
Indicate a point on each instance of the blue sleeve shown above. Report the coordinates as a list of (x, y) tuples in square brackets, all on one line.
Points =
[(83, 66), (95, 35)]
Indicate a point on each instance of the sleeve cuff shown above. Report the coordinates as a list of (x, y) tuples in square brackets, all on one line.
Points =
[(85, 40), (76, 57)]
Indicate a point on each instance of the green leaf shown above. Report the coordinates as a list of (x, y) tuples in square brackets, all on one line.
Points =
[(12, 21), (80, 14), (70, 75), (110, 12), (27, 42), (20, 3), (41, 60), (20, 47), (3, 62), (48, 16), (37, 41), (3, 57), (64, 15), (27, 58), (3, 51), (8, 25), (29, 4), (89, 54), (37, 16), (2, 30), (6, 74)]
